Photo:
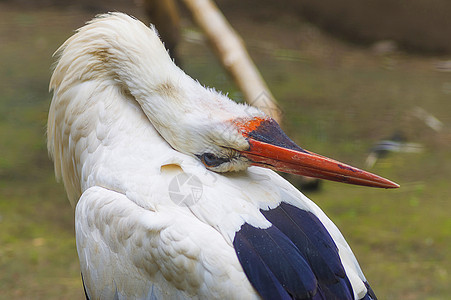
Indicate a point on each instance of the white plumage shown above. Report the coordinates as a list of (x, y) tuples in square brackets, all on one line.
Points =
[(124, 120)]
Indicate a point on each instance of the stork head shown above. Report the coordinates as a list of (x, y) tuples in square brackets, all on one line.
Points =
[(259, 141), (226, 136)]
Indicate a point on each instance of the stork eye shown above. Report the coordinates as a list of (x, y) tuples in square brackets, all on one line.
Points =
[(211, 160)]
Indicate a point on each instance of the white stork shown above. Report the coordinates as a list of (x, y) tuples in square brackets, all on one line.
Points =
[(125, 120)]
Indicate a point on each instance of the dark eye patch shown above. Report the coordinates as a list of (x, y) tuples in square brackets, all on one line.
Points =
[(211, 160)]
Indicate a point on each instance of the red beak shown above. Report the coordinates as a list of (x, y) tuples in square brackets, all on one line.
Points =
[(270, 147)]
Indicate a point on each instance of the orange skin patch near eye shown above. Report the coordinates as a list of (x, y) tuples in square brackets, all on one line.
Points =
[(248, 125)]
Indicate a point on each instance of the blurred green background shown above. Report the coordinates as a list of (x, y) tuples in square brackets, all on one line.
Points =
[(339, 96)]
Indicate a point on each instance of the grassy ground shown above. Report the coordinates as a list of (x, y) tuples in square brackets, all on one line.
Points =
[(337, 100)]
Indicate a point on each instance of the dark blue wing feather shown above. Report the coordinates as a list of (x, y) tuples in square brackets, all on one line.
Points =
[(314, 241), (281, 257), (370, 293), (84, 287), (282, 220), (296, 258), (263, 279)]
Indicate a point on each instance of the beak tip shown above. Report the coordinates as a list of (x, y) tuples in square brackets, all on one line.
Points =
[(393, 185), (382, 182)]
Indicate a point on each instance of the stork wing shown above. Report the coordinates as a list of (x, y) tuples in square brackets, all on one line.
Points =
[(301, 255), (307, 264), (129, 252), (287, 246)]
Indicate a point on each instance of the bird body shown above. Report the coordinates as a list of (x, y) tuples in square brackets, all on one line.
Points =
[(124, 123)]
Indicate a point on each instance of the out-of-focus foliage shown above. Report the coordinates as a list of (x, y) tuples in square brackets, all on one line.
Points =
[(417, 25)]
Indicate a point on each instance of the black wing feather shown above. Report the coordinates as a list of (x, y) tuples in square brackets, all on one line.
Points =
[(295, 258), (314, 241), (84, 287), (263, 280), (281, 257)]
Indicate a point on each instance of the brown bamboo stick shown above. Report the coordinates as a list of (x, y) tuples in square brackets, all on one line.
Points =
[(233, 55)]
